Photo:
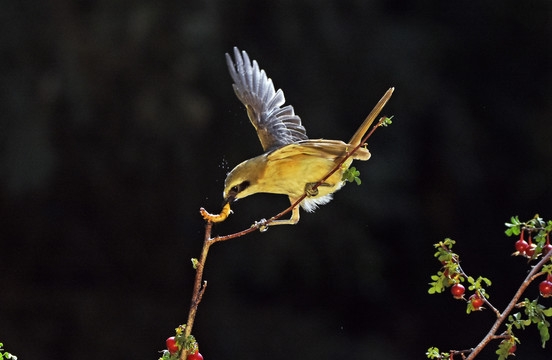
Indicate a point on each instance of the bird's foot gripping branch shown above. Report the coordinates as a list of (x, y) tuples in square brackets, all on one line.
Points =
[(451, 276)]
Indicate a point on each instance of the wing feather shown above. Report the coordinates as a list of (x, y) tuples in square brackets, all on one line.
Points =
[(276, 125), (322, 148)]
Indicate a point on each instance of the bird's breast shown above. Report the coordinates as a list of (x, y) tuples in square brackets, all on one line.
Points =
[(289, 175)]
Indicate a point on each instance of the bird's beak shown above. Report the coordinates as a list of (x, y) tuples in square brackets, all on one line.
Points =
[(229, 199)]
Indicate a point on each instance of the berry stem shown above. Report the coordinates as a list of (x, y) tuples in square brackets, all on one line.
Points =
[(492, 307)]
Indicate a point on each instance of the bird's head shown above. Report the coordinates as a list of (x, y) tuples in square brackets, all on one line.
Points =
[(243, 180)]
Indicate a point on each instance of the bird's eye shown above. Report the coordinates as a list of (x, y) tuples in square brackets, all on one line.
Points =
[(239, 188)]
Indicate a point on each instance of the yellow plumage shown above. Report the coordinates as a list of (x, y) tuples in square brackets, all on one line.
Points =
[(292, 164)]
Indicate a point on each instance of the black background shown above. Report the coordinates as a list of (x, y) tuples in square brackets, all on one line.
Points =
[(119, 122)]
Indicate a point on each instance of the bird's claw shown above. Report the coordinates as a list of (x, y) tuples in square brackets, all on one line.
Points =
[(261, 225), (310, 189)]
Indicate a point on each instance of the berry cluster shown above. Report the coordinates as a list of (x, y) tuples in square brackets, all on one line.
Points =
[(180, 342), (451, 275), (475, 301), (537, 228), (530, 249)]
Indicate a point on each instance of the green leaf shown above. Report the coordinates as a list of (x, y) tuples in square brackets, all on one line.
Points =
[(351, 174), (514, 220), (548, 227), (540, 238), (504, 349), (387, 121), (434, 353), (6, 355), (514, 227), (543, 330)]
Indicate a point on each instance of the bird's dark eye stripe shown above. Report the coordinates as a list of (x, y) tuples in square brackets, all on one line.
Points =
[(244, 185), (239, 188)]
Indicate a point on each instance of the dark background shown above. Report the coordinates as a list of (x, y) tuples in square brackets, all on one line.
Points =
[(119, 121)]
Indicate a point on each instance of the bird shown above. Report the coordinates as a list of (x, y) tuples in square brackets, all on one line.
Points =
[(291, 164)]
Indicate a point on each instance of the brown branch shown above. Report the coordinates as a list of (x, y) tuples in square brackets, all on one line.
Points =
[(461, 352), (198, 288), (492, 333)]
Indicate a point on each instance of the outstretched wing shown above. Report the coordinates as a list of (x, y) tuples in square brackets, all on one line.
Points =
[(276, 126)]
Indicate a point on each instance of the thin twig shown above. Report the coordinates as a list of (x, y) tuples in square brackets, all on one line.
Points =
[(199, 289), (377, 109), (258, 224), (462, 352), (495, 310), (208, 241), (462, 272)]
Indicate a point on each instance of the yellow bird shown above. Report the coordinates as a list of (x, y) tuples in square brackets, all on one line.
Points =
[(292, 164)]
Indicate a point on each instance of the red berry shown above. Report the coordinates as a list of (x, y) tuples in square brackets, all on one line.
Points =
[(476, 301), (512, 345), (196, 356), (521, 246), (171, 345), (457, 290), (531, 250), (545, 288), (546, 249)]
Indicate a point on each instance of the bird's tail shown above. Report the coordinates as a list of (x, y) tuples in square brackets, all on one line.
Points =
[(357, 137)]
